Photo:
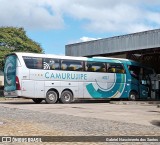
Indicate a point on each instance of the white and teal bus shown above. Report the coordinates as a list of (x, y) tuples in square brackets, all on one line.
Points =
[(56, 78)]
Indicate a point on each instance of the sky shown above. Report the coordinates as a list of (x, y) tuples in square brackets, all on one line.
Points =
[(56, 23)]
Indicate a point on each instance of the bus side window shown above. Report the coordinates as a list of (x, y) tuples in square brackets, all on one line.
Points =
[(63, 65), (33, 62), (103, 68), (39, 63), (72, 65), (115, 68), (90, 68), (111, 70), (95, 67), (50, 63), (80, 66), (54, 64)]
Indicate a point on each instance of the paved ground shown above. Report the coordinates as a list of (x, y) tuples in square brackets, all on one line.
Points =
[(139, 113), (21, 117)]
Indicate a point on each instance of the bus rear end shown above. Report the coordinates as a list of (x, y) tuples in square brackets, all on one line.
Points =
[(11, 81)]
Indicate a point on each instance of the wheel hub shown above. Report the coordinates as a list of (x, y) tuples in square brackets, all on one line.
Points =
[(133, 96), (67, 97), (51, 97)]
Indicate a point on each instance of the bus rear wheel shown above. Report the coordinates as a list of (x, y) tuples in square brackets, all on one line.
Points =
[(37, 100), (133, 96), (66, 97), (51, 97)]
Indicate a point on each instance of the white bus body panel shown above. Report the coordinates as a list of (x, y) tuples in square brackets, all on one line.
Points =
[(80, 90), (39, 89), (28, 88)]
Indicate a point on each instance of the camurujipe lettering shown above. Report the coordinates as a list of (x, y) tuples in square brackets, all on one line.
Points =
[(66, 76)]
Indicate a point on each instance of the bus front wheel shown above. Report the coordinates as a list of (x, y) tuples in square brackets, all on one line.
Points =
[(133, 96), (66, 97), (51, 97), (37, 100)]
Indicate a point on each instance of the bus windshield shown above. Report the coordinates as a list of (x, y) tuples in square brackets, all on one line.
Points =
[(134, 71), (137, 71)]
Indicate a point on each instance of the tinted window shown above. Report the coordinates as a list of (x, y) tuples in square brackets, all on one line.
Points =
[(41, 63), (95, 67), (50, 63), (115, 68), (72, 65), (33, 62)]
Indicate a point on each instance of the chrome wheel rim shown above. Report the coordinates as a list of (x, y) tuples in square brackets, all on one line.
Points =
[(51, 97), (67, 97), (133, 97)]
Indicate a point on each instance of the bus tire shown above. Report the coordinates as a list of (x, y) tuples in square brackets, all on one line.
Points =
[(51, 97), (133, 96), (66, 97), (37, 100)]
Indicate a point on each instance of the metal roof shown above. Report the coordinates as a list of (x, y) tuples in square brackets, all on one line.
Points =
[(123, 43)]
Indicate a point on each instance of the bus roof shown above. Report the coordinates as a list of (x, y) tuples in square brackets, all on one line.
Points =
[(48, 55), (100, 59), (122, 60), (111, 58)]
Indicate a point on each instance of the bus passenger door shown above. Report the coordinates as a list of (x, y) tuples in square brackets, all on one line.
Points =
[(144, 91), (39, 89)]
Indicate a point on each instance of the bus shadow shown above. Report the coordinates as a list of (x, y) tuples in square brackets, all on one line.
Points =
[(90, 101), (17, 103), (25, 102)]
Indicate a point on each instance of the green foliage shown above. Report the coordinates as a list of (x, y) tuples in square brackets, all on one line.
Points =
[(15, 40)]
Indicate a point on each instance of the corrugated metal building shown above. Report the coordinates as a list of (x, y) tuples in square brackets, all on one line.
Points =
[(142, 46)]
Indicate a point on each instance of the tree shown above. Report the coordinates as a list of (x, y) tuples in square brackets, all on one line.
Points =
[(15, 40)]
